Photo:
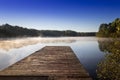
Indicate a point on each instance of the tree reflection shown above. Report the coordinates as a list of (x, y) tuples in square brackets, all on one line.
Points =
[(109, 69)]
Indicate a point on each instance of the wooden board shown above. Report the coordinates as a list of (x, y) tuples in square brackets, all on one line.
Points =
[(52, 62)]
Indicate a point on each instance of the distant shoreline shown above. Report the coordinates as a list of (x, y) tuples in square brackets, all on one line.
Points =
[(9, 31)]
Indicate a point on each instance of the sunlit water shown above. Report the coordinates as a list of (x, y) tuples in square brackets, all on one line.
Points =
[(86, 49)]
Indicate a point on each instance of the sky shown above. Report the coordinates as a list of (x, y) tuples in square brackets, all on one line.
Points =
[(77, 15)]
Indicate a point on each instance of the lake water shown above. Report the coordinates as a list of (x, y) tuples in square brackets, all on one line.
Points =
[(86, 49)]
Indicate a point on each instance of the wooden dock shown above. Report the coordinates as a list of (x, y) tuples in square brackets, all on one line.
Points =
[(49, 63)]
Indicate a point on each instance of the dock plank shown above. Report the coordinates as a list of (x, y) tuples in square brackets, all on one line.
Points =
[(54, 62)]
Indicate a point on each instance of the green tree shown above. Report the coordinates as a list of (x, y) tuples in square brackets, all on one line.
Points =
[(110, 30), (103, 30)]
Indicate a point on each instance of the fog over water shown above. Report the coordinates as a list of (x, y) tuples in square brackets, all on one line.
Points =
[(86, 49), (18, 43)]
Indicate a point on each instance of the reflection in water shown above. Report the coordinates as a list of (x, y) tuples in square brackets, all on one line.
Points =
[(109, 69), (17, 43), (12, 56), (4, 60), (14, 50), (85, 48), (89, 55)]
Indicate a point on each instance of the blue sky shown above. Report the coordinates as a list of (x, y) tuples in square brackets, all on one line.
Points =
[(78, 15)]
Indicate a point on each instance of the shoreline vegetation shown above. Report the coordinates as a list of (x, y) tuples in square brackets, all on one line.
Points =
[(109, 69), (9, 31), (110, 30)]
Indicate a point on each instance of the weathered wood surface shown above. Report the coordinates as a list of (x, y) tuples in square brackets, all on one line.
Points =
[(52, 62)]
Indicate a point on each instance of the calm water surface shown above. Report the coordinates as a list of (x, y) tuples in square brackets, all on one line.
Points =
[(86, 49)]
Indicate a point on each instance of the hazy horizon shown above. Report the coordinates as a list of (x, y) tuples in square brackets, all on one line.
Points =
[(77, 15)]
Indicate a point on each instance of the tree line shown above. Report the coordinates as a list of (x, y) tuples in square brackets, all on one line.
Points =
[(16, 31), (110, 30), (7, 30), (56, 33)]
